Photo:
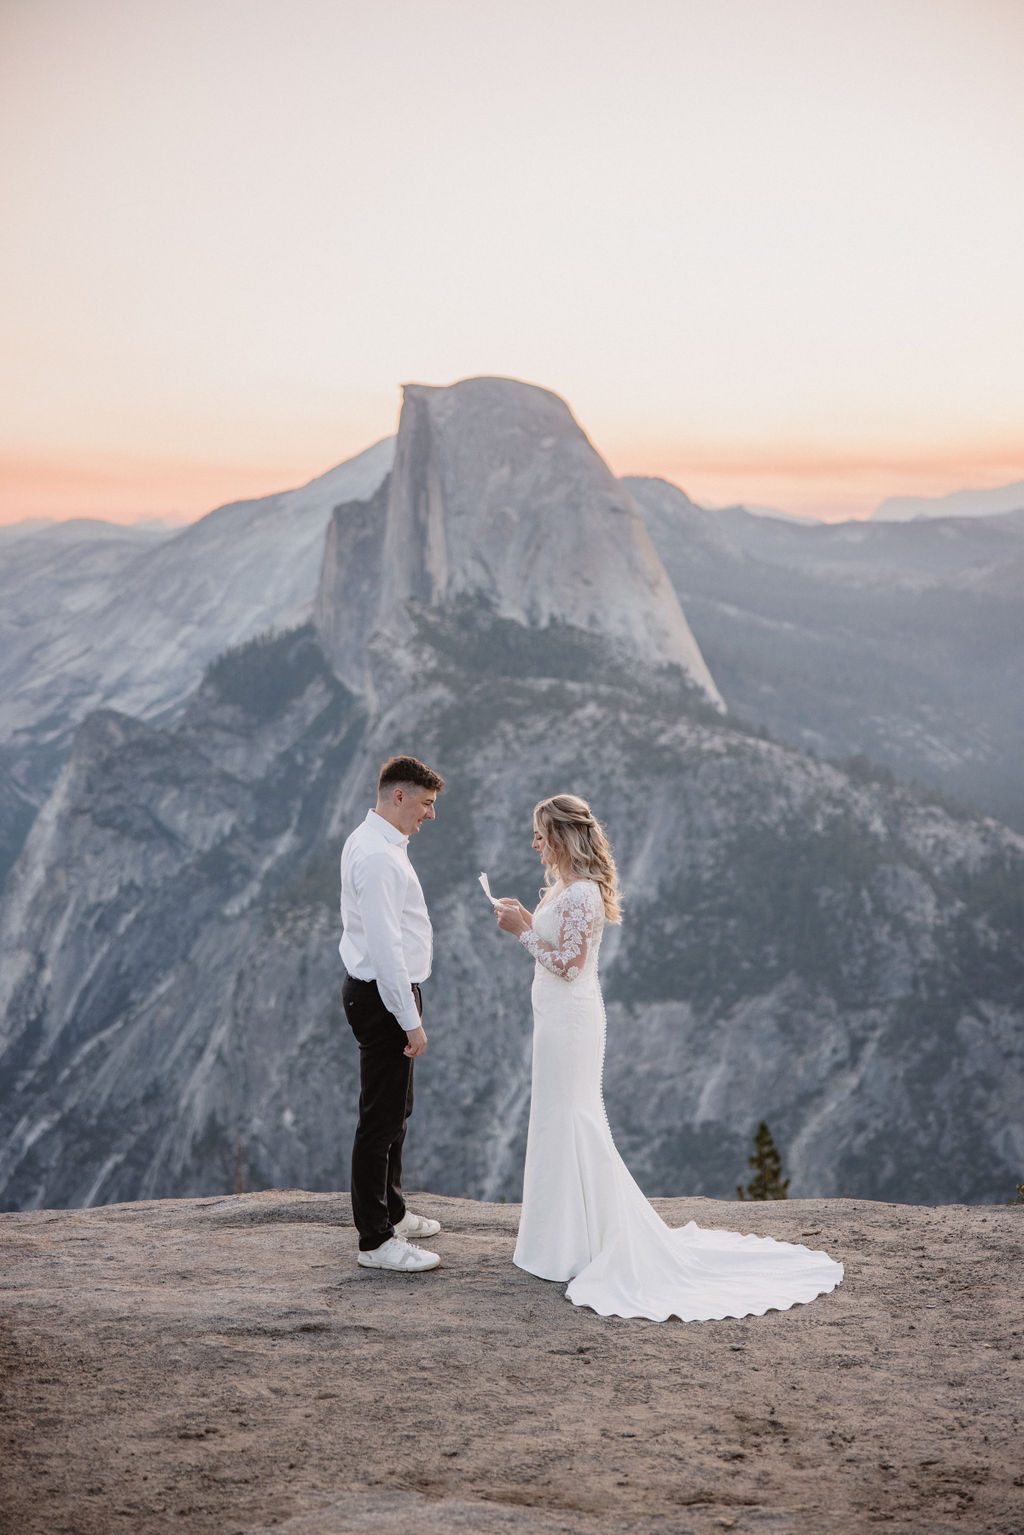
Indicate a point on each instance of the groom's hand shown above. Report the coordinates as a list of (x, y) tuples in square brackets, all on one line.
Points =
[(416, 1042)]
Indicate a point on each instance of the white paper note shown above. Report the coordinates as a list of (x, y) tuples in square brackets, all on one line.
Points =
[(485, 886)]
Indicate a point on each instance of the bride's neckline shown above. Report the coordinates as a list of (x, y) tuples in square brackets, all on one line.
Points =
[(560, 887)]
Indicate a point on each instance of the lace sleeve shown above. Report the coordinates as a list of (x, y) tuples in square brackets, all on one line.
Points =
[(577, 919)]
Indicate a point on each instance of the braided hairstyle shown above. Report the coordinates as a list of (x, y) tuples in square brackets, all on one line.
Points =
[(576, 838)]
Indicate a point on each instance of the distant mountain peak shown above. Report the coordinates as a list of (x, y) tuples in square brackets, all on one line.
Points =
[(498, 494), (960, 503)]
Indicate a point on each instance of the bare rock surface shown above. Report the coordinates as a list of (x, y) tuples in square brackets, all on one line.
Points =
[(498, 498), (224, 1365)]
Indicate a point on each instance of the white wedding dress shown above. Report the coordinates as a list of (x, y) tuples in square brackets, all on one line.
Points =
[(584, 1219)]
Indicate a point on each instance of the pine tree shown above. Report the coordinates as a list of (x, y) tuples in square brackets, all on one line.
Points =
[(767, 1182)]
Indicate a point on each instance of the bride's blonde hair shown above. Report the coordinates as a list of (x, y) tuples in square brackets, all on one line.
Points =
[(574, 835)]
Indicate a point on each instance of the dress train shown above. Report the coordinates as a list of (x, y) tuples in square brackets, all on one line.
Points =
[(584, 1218)]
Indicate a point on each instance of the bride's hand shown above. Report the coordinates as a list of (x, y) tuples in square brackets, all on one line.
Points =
[(512, 917)]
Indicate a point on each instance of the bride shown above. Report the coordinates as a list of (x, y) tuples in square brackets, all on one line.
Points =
[(584, 1219)]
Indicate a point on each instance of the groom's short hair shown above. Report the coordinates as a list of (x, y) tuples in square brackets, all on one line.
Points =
[(408, 770)]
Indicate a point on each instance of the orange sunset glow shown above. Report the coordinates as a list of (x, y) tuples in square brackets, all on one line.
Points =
[(804, 482), (829, 486), (768, 251)]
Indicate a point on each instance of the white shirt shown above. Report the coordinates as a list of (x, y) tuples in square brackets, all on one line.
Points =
[(386, 933)]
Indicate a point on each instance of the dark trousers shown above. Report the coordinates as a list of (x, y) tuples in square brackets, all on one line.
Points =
[(385, 1103)]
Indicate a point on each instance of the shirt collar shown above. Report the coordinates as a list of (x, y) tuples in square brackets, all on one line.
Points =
[(387, 831)]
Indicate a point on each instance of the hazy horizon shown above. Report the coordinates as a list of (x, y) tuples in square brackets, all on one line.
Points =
[(180, 518)]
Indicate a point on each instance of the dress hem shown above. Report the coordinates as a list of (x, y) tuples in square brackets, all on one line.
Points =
[(548, 1278), (710, 1316)]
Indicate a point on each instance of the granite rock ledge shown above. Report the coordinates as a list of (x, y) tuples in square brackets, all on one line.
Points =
[(222, 1365)]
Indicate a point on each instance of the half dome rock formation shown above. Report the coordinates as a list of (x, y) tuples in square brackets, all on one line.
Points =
[(498, 499), (826, 950)]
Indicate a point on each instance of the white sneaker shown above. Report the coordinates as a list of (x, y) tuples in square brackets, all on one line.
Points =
[(416, 1226), (399, 1256)]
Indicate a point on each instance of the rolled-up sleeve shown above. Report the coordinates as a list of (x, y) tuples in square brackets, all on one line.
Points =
[(380, 889)]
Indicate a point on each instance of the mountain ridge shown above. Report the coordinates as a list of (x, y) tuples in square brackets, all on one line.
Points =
[(958, 503), (802, 944), (497, 496), (899, 642), (838, 958)]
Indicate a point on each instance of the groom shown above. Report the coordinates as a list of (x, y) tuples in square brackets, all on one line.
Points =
[(386, 948)]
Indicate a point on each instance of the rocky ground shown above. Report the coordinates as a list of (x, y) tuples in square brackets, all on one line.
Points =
[(222, 1365)]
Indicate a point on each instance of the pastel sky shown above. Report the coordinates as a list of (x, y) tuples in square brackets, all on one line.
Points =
[(770, 249)]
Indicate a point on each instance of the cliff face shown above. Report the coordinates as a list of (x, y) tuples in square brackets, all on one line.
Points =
[(140, 965), (498, 498), (348, 593), (900, 641), (839, 958), (97, 617), (836, 955)]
